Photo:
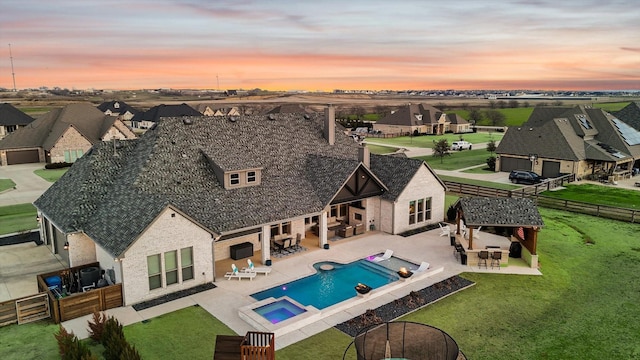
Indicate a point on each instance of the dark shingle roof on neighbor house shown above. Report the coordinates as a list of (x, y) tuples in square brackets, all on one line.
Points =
[(114, 194), (117, 107), (558, 133), (500, 211), (630, 114), (9, 115), (159, 111), (46, 130), (419, 114)]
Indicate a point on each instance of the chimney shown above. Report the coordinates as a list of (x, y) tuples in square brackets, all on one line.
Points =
[(330, 124), (364, 155)]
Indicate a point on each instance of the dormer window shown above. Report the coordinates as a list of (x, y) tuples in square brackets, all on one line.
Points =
[(234, 179)]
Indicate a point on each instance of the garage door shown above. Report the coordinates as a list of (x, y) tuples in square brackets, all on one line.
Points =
[(22, 157), (510, 163), (550, 169)]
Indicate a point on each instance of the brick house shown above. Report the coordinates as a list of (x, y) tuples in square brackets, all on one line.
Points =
[(61, 135), (160, 211), (11, 119), (423, 119)]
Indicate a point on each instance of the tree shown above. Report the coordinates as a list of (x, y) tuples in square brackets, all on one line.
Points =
[(514, 103), (441, 149), (491, 163), (475, 115), (496, 118), (501, 104), (526, 104), (491, 146), (358, 111)]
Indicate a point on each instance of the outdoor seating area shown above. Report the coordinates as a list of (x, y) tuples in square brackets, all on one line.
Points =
[(236, 274)]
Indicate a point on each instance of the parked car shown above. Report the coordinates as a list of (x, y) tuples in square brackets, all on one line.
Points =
[(460, 145), (525, 177)]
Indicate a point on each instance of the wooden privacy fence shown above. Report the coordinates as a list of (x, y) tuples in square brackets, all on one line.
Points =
[(525, 191), (25, 309), (82, 303), (609, 212)]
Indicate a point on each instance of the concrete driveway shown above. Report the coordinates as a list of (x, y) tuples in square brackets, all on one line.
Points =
[(29, 186)]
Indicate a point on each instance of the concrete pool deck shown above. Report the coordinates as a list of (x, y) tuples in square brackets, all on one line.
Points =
[(225, 301)]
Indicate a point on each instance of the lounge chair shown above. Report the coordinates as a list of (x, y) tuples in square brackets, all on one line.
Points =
[(387, 254), (239, 274), (258, 270), (423, 267), (445, 230)]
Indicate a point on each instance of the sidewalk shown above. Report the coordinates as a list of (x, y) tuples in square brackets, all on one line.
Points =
[(29, 186)]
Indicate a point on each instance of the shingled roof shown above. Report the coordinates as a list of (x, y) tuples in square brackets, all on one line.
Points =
[(499, 211), (412, 115), (630, 114), (117, 107), (46, 130), (9, 115), (107, 188), (558, 133), (159, 111)]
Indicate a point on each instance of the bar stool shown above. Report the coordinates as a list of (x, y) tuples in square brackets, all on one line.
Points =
[(496, 256), (482, 258)]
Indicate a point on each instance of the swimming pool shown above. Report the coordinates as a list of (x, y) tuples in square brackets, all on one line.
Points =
[(280, 310), (329, 287)]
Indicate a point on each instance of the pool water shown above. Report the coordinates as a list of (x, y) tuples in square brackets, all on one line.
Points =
[(395, 263), (329, 287), (280, 310)]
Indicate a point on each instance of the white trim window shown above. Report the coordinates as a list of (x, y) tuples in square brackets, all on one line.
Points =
[(168, 269), (419, 211)]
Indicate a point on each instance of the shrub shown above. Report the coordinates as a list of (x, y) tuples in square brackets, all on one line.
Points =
[(491, 162), (58, 165), (451, 213), (96, 328), (70, 347), (116, 346)]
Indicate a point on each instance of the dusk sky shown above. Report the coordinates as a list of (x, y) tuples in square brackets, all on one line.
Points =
[(322, 44)]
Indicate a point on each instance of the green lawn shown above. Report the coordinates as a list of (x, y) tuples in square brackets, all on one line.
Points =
[(51, 175), (457, 159), (490, 184), (598, 194), (611, 106), (6, 184), (584, 306), (16, 218), (426, 141), (378, 149), (513, 116)]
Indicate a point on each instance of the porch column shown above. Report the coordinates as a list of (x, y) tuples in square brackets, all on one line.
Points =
[(322, 229), (266, 243)]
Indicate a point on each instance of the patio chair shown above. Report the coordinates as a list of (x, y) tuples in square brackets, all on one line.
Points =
[(423, 267), (445, 230), (258, 270), (476, 232), (296, 245), (234, 273), (482, 258), (496, 256), (387, 254)]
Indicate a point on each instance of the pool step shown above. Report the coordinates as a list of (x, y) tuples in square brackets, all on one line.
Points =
[(377, 268)]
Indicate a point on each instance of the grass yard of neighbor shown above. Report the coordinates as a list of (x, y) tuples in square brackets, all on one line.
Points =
[(379, 149), (426, 141), (51, 175), (457, 159), (6, 184), (489, 184), (598, 194), (17, 218)]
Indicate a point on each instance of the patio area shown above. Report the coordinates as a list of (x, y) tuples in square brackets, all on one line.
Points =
[(225, 301)]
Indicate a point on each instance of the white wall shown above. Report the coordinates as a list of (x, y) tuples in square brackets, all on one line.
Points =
[(170, 231), (107, 262), (82, 249)]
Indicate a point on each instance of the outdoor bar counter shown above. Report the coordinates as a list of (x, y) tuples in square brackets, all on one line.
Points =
[(485, 242)]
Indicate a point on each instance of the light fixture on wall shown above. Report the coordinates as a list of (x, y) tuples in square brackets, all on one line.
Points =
[(66, 245)]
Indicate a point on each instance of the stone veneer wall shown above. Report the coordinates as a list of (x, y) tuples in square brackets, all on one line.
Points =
[(70, 140), (82, 249)]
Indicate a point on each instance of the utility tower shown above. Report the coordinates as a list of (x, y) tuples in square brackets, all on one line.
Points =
[(13, 74)]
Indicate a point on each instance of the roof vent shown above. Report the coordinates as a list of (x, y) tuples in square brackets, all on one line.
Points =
[(233, 118), (272, 117), (307, 117), (184, 156), (187, 121)]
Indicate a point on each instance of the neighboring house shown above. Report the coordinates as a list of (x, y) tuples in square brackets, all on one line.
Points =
[(119, 108), (630, 114), (162, 210), (287, 109), (61, 135), (147, 119), (206, 110), (421, 119), (587, 142), (11, 119)]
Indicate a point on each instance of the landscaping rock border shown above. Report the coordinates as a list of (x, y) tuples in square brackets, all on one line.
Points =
[(173, 296), (407, 304)]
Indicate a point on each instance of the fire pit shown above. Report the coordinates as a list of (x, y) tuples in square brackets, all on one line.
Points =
[(362, 288), (404, 273)]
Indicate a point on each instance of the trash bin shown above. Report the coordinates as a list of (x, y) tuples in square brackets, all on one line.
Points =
[(463, 258), (268, 262), (326, 246)]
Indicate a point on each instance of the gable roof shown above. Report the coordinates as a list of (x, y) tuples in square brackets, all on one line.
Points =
[(9, 115), (117, 107), (396, 172), (499, 211), (630, 114), (287, 108), (159, 111), (412, 115), (456, 119), (46, 130), (568, 133), (169, 166)]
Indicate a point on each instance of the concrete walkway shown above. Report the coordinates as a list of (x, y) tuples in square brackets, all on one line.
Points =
[(225, 301), (29, 186)]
